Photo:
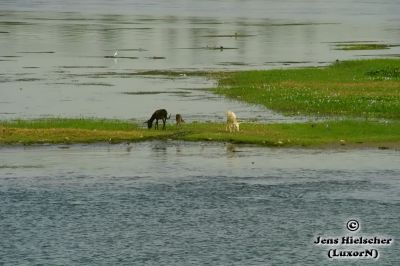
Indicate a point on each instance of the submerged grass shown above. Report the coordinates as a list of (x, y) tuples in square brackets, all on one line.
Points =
[(363, 88), (362, 46), (324, 134)]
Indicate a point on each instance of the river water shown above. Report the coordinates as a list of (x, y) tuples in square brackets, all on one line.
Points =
[(57, 56), (178, 203)]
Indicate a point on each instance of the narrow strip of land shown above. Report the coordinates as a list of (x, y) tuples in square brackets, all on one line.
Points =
[(327, 134), (359, 101)]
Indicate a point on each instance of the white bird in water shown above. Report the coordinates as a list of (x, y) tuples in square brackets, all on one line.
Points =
[(116, 53)]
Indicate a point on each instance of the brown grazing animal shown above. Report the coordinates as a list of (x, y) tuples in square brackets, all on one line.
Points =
[(179, 119), (157, 115)]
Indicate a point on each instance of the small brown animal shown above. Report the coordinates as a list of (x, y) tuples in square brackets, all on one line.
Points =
[(159, 114), (179, 120)]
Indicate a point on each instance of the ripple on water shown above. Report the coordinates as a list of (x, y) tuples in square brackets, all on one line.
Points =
[(170, 202)]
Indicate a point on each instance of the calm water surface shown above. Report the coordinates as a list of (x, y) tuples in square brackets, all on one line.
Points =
[(175, 203), (57, 56)]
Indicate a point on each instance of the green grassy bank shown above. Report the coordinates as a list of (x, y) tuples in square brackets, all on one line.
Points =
[(321, 135), (353, 89)]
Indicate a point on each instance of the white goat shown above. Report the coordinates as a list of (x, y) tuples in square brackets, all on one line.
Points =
[(231, 122)]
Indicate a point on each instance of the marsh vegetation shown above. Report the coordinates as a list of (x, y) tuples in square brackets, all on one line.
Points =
[(362, 46), (358, 101), (358, 89)]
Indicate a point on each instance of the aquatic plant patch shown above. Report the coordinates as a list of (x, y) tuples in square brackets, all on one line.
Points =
[(362, 46)]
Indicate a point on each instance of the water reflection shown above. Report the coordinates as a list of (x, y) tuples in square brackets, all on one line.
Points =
[(231, 150), (66, 51)]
